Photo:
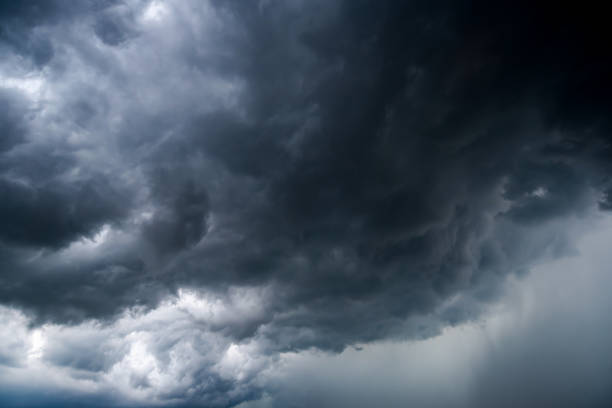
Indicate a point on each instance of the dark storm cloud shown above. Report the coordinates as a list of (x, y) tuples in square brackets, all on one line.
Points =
[(20, 20), (114, 27), (54, 215), (180, 217), (379, 151), (67, 293), (387, 145), (38, 209), (368, 162), (547, 345), (12, 121)]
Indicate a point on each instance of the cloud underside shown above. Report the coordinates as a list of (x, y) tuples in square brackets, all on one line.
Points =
[(306, 174)]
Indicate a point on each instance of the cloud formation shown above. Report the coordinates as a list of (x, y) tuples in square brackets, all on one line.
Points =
[(545, 343), (331, 173)]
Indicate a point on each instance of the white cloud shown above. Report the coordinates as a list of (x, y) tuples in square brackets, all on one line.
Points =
[(145, 357), (174, 352)]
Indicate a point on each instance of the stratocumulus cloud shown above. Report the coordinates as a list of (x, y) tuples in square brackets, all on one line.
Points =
[(193, 192)]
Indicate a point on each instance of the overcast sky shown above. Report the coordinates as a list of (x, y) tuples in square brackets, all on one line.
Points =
[(304, 203)]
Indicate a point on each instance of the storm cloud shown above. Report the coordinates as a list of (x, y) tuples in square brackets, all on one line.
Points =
[(194, 189)]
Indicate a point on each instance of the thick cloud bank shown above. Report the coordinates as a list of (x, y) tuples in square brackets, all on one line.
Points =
[(193, 188)]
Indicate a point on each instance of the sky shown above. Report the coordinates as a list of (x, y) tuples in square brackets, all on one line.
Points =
[(298, 203)]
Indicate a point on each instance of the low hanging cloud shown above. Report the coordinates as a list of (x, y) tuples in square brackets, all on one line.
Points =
[(544, 343), (329, 173), (174, 353)]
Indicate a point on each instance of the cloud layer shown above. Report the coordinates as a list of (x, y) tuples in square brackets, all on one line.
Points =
[(308, 174)]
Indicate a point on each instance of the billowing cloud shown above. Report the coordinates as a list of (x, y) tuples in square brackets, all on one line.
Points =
[(174, 353), (545, 343), (329, 173)]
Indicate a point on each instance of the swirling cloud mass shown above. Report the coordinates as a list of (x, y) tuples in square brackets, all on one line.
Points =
[(228, 203)]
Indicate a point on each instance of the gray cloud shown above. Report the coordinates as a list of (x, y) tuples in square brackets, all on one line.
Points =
[(544, 344), (54, 215), (372, 170), (12, 123)]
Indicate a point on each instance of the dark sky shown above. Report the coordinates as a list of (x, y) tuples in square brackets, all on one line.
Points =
[(305, 203)]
